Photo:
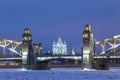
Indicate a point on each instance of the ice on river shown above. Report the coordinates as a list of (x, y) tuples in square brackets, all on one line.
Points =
[(60, 74)]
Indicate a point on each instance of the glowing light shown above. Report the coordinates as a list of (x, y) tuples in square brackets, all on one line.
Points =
[(116, 36), (23, 69), (2, 64), (27, 31), (86, 51), (86, 69), (87, 28), (25, 53), (85, 35)]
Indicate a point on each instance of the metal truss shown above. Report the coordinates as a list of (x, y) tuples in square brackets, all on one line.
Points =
[(109, 46), (11, 45), (14, 46)]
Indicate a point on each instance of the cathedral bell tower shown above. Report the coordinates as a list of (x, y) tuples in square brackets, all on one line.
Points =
[(87, 47), (26, 48)]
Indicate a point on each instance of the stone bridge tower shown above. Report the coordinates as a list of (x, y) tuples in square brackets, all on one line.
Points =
[(29, 57), (88, 47), (26, 48)]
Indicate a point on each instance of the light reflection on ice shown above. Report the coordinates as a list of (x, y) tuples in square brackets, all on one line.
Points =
[(86, 69), (23, 69)]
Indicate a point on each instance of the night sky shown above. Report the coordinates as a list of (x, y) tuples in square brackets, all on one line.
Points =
[(48, 19)]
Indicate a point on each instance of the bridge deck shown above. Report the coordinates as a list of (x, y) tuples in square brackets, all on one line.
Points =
[(58, 57)]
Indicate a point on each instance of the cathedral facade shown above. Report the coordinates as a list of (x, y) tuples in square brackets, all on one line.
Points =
[(59, 47)]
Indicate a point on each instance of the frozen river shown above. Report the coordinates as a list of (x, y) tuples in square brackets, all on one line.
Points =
[(60, 74)]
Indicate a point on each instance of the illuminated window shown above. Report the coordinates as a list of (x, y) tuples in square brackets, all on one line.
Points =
[(27, 31), (87, 28), (85, 35), (25, 38)]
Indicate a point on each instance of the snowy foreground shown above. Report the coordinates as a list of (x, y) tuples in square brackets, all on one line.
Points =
[(60, 74)]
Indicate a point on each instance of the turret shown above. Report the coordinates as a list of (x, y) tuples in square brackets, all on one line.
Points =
[(87, 31), (27, 37), (26, 41)]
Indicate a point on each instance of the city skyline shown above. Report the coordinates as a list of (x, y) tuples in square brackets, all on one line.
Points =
[(66, 18)]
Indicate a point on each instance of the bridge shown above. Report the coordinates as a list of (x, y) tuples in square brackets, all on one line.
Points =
[(95, 54), (28, 53)]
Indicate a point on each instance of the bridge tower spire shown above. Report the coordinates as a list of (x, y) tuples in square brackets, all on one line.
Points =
[(88, 47), (26, 48)]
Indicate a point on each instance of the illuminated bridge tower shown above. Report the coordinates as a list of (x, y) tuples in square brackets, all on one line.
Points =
[(88, 47), (26, 48)]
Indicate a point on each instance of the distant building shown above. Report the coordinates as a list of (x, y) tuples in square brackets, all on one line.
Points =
[(73, 52), (59, 47)]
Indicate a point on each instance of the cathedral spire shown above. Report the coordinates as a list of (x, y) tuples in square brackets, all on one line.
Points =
[(59, 40)]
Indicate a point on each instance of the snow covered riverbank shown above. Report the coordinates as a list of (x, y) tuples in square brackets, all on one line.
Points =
[(60, 74)]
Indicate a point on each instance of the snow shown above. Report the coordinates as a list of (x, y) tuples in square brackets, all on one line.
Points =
[(60, 74)]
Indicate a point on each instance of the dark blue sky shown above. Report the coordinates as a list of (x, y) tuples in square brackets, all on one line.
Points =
[(49, 19)]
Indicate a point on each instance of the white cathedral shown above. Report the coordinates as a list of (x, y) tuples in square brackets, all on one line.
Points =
[(59, 47)]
